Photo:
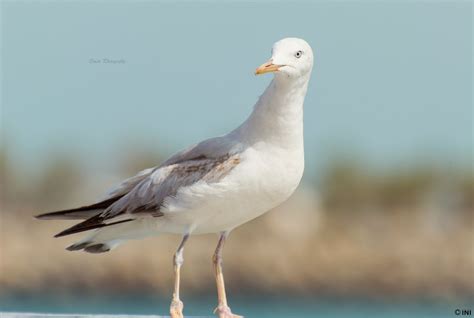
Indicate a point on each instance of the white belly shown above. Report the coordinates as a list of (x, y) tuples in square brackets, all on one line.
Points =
[(252, 188)]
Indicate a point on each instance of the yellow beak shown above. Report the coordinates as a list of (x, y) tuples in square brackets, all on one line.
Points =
[(267, 68)]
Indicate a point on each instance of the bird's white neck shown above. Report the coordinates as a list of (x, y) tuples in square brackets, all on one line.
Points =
[(277, 117)]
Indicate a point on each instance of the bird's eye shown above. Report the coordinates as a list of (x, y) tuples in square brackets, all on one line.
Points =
[(298, 54)]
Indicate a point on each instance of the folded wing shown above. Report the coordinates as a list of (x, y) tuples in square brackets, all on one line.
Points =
[(145, 193), (148, 196)]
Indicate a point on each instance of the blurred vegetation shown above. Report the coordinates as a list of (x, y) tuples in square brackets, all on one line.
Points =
[(139, 158), (56, 182), (351, 186)]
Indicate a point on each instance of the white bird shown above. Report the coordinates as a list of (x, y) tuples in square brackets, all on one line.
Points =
[(215, 185)]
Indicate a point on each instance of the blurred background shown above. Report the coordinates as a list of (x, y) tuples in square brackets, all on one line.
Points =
[(382, 224)]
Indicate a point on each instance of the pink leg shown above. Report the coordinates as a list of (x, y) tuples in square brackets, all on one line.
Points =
[(176, 307), (222, 310)]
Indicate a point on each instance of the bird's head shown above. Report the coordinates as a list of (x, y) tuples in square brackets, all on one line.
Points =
[(291, 58)]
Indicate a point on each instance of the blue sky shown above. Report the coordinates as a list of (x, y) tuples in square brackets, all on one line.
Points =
[(392, 81)]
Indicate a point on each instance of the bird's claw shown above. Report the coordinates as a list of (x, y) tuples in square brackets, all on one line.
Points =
[(176, 309), (224, 312)]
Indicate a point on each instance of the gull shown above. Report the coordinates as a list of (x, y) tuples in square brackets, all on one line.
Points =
[(215, 185)]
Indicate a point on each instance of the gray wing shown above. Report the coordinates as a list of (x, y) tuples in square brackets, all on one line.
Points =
[(213, 148), (148, 196), (127, 185), (146, 192)]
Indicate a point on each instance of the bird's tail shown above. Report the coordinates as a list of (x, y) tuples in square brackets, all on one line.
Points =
[(107, 238)]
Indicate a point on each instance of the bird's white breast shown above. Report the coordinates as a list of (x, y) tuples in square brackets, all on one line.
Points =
[(266, 176)]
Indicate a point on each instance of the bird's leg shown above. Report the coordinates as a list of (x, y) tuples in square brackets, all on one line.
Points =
[(222, 310), (176, 308)]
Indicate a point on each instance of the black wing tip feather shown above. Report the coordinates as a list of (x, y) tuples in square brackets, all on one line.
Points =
[(90, 224), (93, 220), (55, 214), (50, 215), (64, 214), (73, 213)]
